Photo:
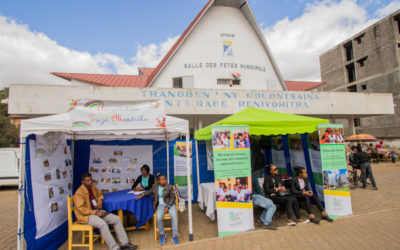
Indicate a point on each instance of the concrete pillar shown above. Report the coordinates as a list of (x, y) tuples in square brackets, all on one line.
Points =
[(352, 128)]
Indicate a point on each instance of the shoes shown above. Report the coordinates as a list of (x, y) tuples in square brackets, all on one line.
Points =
[(327, 218), (375, 188), (162, 240), (314, 220), (269, 226), (175, 239), (291, 223), (128, 246), (303, 221)]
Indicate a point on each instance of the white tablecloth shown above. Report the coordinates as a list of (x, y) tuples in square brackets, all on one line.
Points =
[(207, 198)]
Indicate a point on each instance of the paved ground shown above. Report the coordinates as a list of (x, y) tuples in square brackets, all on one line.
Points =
[(375, 224)]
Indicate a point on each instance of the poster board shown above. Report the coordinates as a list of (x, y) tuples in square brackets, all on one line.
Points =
[(116, 168), (180, 167), (296, 152), (334, 166), (51, 173), (278, 155), (232, 173)]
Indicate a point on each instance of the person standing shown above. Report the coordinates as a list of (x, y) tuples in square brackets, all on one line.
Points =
[(362, 160), (260, 200), (164, 202), (88, 204), (374, 153)]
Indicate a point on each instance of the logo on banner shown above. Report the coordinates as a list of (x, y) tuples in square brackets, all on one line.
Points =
[(227, 46)]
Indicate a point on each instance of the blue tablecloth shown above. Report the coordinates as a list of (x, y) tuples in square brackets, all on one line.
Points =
[(142, 209)]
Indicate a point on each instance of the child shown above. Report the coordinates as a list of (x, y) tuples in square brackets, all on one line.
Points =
[(393, 157)]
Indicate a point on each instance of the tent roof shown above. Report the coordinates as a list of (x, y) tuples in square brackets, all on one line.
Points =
[(62, 123), (264, 122)]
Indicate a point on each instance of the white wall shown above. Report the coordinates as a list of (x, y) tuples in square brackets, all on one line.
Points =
[(205, 45)]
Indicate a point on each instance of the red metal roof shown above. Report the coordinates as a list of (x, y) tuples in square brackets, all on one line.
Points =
[(145, 71), (106, 80), (302, 85)]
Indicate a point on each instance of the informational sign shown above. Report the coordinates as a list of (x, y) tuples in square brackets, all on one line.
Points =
[(296, 152), (103, 115), (51, 173), (115, 168), (180, 167), (232, 172), (316, 165), (278, 156), (334, 167)]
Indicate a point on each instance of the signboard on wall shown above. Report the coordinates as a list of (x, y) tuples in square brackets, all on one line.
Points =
[(103, 115), (116, 168), (232, 173), (51, 173), (334, 166)]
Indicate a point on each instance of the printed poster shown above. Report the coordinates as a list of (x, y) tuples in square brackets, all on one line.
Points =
[(180, 167), (316, 165), (106, 115), (296, 152), (278, 156), (232, 173), (115, 168), (51, 173), (334, 167)]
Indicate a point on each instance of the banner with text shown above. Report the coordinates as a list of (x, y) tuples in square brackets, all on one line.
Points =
[(103, 115), (180, 167), (334, 167), (232, 173)]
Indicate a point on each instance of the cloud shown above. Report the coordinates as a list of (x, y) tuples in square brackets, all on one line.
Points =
[(296, 44), (28, 56)]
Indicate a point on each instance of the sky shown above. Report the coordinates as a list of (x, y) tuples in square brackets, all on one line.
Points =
[(116, 37)]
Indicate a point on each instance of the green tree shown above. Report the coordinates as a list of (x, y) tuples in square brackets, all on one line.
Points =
[(9, 134)]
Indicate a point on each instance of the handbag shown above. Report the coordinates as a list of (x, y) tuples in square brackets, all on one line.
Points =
[(283, 193)]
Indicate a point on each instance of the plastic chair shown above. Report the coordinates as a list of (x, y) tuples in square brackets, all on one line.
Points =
[(166, 216), (76, 227)]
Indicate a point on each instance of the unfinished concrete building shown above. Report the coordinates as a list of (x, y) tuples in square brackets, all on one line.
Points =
[(368, 62)]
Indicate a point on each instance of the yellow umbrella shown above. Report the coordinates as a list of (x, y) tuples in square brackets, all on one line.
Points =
[(361, 137)]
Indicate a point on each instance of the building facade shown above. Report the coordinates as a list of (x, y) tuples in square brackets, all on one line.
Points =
[(368, 62)]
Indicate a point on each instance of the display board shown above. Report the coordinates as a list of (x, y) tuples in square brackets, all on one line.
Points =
[(296, 150), (316, 165), (334, 167), (180, 167), (232, 173), (116, 168), (112, 115), (278, 155), (51, 173)]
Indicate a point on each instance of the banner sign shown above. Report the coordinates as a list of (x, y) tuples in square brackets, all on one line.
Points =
[(180, 167), (115, 168), (316, 165), (232, 173), (103, 115), (296, 150), (51, 173), (278, 156), (334, 167)]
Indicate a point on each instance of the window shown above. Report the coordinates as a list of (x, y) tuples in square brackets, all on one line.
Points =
[(359, 38), (177, 82), (357, 122), (351, 72), (352, 88), (364, 87), (397, 19), (226, 81), (361, 61), (349, 51)]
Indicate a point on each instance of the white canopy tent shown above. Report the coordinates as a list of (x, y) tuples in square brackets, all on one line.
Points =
[(174, 128)]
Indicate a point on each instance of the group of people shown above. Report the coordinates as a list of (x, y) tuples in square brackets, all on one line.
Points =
[(236, 193), (275, 192), (241, 140), (331, 137), (88, 207), (359, 160)]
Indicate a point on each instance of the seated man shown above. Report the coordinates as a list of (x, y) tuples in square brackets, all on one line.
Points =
[(88, 202), (265, 203), (164, 202), (301, 190), (278, 194)]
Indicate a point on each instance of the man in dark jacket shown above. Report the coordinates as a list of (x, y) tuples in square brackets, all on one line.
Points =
[(362, 160), (301, 190), (164, 202)]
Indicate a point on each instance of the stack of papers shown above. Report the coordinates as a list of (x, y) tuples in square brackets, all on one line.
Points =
[(136, 192)]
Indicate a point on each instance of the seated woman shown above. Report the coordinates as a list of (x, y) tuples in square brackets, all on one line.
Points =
[(146, 180), (301, 190), (278, 194), (164, 202)]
